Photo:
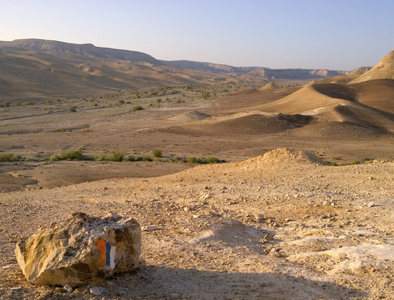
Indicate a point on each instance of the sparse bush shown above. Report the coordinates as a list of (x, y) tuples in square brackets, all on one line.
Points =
[(100, 158), (72, 109), (138, 107), (8, 157), (157, 152), (54, 157), (71, 155), (116, 156), (356, 162), (212, 160), (131, 158), (193, 160), (121, 102), (178, 159)]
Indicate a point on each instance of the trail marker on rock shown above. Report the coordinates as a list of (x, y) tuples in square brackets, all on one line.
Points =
[(80, 249)]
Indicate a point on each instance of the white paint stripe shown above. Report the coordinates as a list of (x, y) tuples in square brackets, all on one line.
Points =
[(112, 257)]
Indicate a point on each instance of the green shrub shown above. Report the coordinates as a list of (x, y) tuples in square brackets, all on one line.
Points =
[(194, 160), (102, 157), (71, 155), (54, 157), (131, 158), (356, 162), (178, 159), (72, 109), (157, 152), (116, 156), (7, 157), (138, 107), (212, 160)]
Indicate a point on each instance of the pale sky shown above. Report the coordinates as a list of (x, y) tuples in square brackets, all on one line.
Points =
[(316, 34)]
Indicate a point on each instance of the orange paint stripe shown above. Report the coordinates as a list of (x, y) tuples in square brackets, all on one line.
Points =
[(102, 248)]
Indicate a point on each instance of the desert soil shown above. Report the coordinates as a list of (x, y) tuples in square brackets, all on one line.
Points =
[(279, 226)]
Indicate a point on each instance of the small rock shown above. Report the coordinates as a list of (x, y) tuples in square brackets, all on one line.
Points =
[(370, 204), (324, 217), (17, 288), (268, 237), (260, 218), (68, 288), (95, 291), (149, 228)]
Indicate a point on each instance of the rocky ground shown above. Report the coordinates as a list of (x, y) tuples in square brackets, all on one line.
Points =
[(278, 226)]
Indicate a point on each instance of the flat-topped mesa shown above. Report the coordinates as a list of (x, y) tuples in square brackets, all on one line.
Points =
[(81, 49), (80, 249)]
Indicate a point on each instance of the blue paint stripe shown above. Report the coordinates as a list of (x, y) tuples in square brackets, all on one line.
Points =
[(108, 254)]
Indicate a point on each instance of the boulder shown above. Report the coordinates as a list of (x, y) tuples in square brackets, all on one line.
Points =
[(80, 249)]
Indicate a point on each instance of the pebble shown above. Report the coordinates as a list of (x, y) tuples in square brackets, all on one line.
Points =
[(68, 288), (95, 291), (260, 218), (149, 228), (370, 204)]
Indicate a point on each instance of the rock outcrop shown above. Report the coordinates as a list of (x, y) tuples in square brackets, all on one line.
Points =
[(80, 249)]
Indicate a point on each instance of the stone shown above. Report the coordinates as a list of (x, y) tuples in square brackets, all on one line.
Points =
[(259, 218), (68, 288), (80, 249), (95, 291), (149, 228)]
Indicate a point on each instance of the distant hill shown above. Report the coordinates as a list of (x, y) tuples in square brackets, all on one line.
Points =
[(256, 72), (80, 49), (383, 70), (36, 68)]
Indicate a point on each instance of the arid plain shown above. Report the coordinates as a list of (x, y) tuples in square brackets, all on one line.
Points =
[(300, 208)]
